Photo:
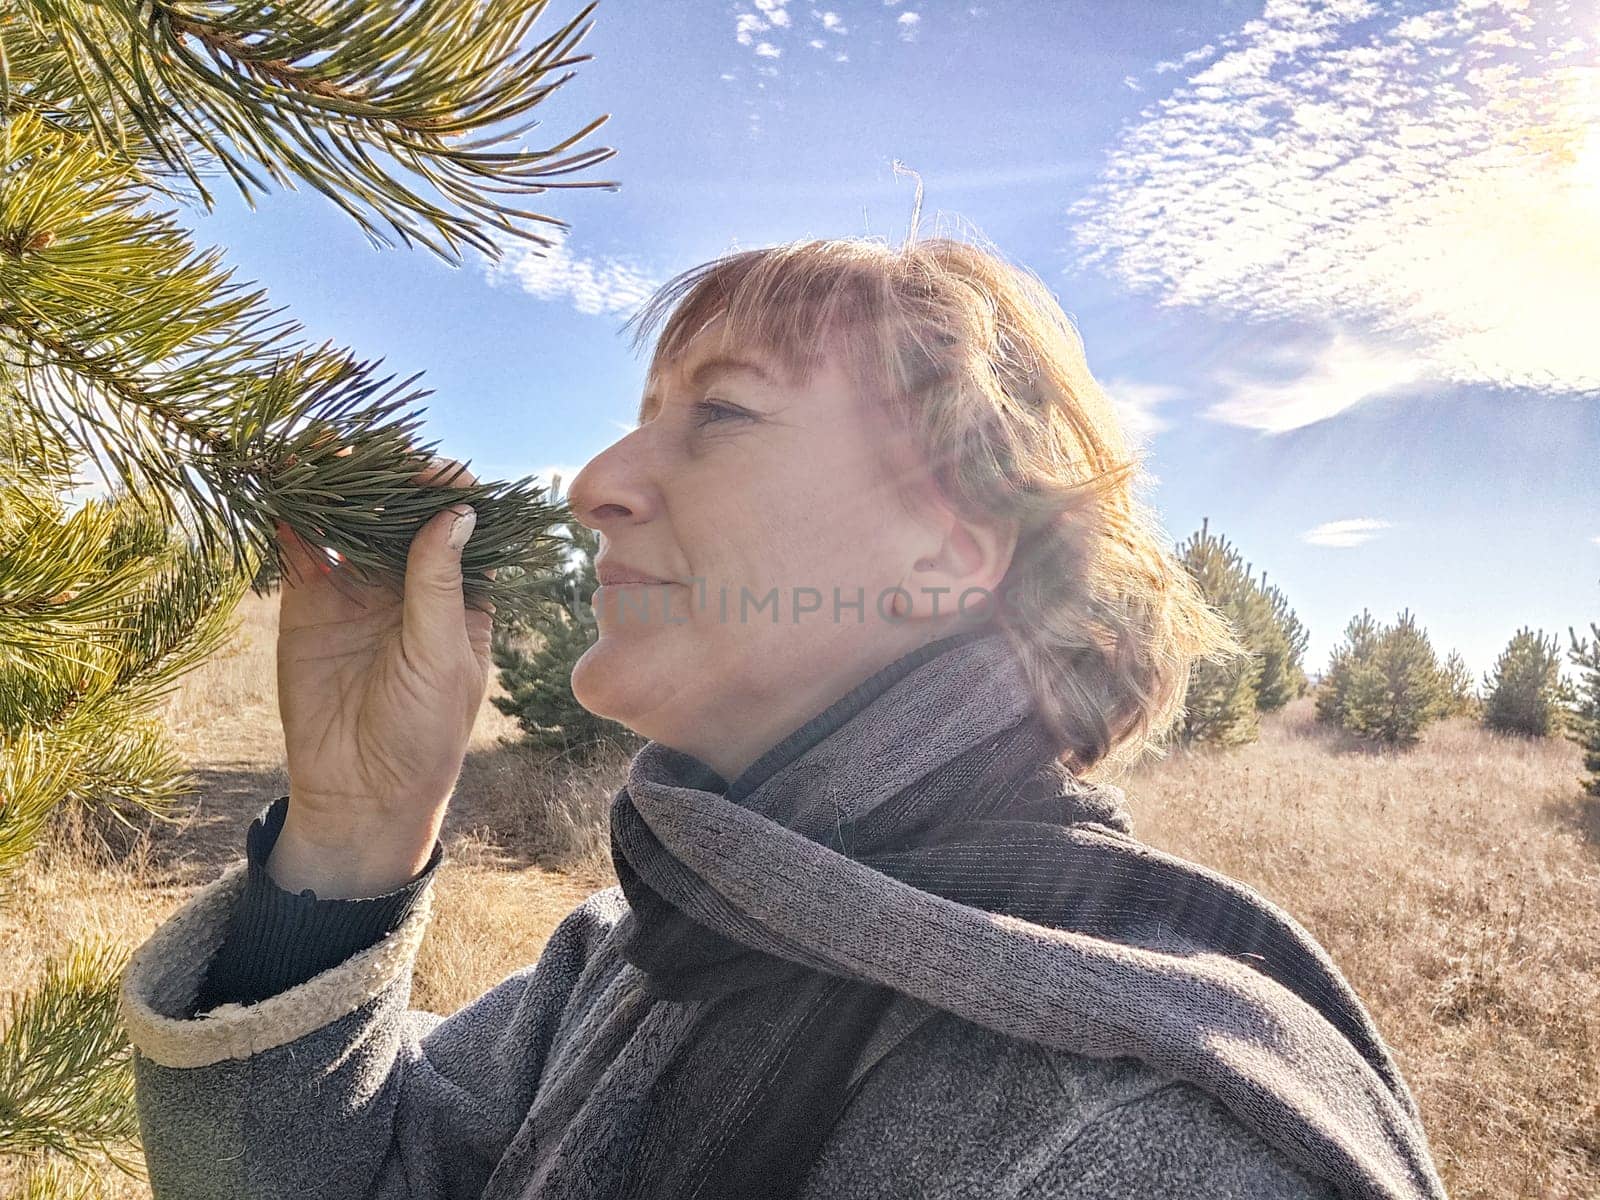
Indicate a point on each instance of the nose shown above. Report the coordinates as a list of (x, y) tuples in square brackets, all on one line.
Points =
[(614, 488)]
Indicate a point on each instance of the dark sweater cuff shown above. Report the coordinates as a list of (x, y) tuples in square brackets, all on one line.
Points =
[(278, 939)]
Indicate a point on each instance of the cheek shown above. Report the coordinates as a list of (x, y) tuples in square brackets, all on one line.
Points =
[(809, 520)]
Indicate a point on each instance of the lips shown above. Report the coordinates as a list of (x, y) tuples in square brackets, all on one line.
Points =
[(611, 574)]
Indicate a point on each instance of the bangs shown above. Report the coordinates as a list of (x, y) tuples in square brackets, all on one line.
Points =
[(796, 305)]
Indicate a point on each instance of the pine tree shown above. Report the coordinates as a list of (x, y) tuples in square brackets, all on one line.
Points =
[(538, 682), (1399, 689), (1275, 632), (1523, 693), (103, 611), (211, 420), (1460, 687), (1583, 721), (1221, 703), (1354, 653)]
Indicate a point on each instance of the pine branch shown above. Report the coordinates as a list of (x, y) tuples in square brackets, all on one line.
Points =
[(142, 354), (366, 100), (66, 1083), (32, 782), (49, 1177), (46, 608), (136, 609)]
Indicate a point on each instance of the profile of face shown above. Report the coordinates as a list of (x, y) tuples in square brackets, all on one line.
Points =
[(781, 517)]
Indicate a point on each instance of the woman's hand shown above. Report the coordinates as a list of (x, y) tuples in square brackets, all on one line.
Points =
[(378, 692)]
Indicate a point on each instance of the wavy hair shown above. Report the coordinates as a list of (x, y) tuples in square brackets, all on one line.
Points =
[(976, 359)]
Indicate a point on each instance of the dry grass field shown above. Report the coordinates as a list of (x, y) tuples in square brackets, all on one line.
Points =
[(1456, 884)]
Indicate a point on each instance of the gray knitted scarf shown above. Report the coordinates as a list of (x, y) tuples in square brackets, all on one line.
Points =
[(921, 838)]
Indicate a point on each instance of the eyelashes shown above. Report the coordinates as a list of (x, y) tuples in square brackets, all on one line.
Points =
[(713, 412)]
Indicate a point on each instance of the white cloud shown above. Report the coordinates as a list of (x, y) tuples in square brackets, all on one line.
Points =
[(1343, 534), (746, 26), (1135, 403), (764, 27), (593, 286), (1412, 180), (1193, 56), (774, 11), (76, 497), (1344, 372)]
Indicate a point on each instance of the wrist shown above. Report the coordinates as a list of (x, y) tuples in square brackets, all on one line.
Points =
[(349, 857)]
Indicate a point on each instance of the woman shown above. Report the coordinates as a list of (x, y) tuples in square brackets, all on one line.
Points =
[(876, 589)]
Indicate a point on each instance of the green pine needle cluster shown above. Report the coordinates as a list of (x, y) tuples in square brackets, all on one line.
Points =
[(64, 1064), (404, 113), (123, 342), (102, 611)]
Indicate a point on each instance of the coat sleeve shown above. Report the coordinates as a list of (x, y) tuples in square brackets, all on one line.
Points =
[(278, 939), (335, 1087)]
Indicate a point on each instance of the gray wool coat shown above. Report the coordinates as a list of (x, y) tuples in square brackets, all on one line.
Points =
[(338, 1089)]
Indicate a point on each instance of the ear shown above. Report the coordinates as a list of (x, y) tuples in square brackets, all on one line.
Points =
[(971, 557)]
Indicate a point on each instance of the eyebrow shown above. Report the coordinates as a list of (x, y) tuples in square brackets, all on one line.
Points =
[(720, 364)]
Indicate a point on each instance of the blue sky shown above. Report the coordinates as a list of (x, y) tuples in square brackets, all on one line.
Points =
[(1338, 265)]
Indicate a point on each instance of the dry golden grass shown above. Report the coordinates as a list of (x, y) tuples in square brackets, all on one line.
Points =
[(1457, 885)]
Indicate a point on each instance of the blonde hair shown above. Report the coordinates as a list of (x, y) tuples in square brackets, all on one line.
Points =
[(976, 359)]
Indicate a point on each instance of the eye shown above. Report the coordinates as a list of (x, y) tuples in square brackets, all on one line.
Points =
[(711, 412)]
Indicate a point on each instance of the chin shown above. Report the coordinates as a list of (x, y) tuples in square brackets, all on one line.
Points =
[(613, 678), (594, 678)]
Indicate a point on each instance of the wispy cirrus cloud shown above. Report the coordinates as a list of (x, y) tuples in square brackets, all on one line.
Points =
[(1135, 403), (595, 286), (1427, 183), (1352, 532), (1340, 374)]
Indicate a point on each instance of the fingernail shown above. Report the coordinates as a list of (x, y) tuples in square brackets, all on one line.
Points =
[(461, 529)]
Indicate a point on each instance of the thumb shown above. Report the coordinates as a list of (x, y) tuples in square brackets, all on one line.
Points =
[(433, 620)]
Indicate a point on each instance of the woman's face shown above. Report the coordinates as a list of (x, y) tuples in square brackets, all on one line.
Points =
[(770, 514)]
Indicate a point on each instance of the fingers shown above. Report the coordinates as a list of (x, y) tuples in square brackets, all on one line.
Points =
[(480, 629), (449, 472), (431, 558), (433, 601), (445, 472), (303, 564)]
